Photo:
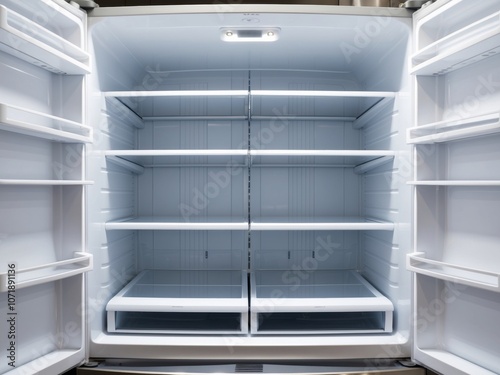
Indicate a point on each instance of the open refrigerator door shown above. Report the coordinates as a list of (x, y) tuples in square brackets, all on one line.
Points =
[(456, 138), (43, 63)]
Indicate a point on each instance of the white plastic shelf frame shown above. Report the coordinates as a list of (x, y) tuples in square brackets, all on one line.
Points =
[(319, 223), (179, 223), (41, 125), (182, 302), (317, 302), (460, 48)]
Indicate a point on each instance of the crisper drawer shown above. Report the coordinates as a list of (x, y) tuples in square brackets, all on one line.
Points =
[(181, 302)]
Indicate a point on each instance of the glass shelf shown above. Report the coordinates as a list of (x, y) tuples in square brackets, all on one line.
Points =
[(319, 223), (179, 223)]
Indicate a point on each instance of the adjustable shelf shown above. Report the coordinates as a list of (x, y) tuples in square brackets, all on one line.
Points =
[(445, 131), (417, 262), (137, 160), (41, 125), (319, 223), (168, 101), (324, 302), (347, 105), (182, 302), (463, 47), (476, 183), (28, 41), (361, 160), (25, 277), (179, 223)]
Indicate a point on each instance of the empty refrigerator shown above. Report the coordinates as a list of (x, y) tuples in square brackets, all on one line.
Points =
[(251, 184)]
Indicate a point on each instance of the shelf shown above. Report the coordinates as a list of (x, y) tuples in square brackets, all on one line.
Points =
[(466, 46), (45, 182), (37, 124), (189, 301), (344, 105), (445, 131), (174, 158), (322, 292), (179, 223), (195, 118), (40, 46), (320, 158), (417, 262), (319, 223), (82, 262), (476, 183), (324, 93)]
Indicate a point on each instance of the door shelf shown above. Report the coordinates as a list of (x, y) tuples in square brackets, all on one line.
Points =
[(436, 357), (41, 125), (179, 223), (326, 297), (45, 182), (466, 46), (445, 131), (40, 46), (417, 262), (184, 302), (82, 262), (319, 223)]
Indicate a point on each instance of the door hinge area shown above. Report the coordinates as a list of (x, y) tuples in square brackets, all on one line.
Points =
[(416, 4), (84, 4)]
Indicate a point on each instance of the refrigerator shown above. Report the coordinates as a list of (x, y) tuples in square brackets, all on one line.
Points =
[(250, 188)]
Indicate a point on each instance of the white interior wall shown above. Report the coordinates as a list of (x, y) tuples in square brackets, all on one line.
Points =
[(383, 259)]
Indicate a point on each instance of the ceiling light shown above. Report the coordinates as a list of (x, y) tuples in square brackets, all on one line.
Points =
[(247, 34)]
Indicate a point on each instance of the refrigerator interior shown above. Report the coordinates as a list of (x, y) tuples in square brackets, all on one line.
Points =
[(456, 187), (250, 179)]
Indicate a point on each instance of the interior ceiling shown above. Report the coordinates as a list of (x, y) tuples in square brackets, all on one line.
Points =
[(306, 41)]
